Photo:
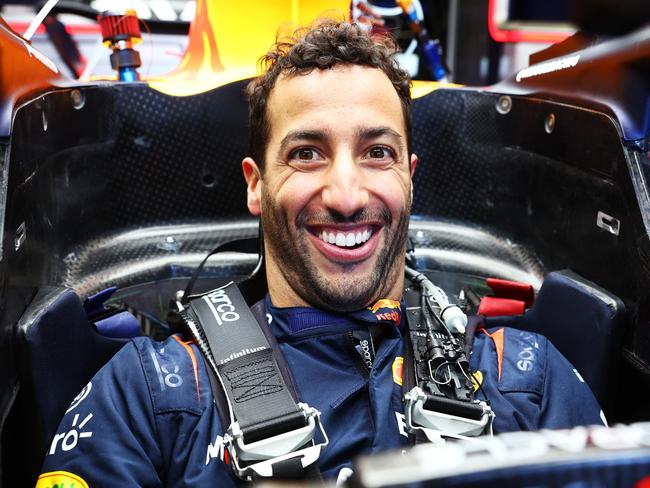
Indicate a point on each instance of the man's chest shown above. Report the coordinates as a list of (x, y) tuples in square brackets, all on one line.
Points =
[(360, 402)]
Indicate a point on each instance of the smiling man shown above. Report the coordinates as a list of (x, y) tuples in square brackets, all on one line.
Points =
[(329, 174), (335, 194)]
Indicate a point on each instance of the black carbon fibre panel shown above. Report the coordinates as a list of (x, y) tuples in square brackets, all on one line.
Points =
[(153, 253), (543, 191), (129, 159), (449, 170), (179, 157)]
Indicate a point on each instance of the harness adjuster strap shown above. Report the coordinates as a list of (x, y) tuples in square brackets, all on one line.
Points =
[(259, 459), (272, 427), (438, 417)]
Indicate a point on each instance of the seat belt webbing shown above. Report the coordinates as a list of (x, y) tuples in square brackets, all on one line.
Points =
[(243, 360)]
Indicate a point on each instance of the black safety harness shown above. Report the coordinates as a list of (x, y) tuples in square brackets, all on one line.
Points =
[(271, 434), (441, 404)]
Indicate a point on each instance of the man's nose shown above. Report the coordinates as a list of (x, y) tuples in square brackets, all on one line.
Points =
[(345, 190)]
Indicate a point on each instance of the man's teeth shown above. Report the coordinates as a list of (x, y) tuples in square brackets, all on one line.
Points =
[(345, 239)]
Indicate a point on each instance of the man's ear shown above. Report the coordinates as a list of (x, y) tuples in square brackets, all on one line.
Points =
[(254, 186), (414, 163)]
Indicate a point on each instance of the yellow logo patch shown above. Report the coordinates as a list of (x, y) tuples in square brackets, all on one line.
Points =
[(384, 303), (398, 367), (60, 479), (477, 379)]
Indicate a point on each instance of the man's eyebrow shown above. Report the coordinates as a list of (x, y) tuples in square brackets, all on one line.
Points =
[(302, 135), (375, 132)]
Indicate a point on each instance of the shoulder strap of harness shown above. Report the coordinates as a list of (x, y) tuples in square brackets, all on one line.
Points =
[(473, 323), (269, 433), (439, 402)]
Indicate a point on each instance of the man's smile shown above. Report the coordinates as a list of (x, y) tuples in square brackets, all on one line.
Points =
[(347, 242), (344, 237)]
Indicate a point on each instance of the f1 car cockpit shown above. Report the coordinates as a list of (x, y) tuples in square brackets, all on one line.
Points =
[(113, 192)]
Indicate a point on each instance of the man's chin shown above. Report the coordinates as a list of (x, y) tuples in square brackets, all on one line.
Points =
[(348, 272), (345, 286), (344, 292)]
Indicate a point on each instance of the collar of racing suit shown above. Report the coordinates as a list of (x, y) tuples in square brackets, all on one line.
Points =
[(304, 321)]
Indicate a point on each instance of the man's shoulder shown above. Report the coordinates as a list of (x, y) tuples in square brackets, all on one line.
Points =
[(517, 358), (175, 374), (172, 372), (175, 345), (510, 336), (145, 350)]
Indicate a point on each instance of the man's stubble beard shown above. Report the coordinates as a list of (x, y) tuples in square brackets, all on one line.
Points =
[(339, 294)]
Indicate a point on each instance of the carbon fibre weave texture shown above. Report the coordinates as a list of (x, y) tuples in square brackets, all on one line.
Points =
[(179, 158)]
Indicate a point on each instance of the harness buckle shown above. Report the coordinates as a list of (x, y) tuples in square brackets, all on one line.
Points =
[(256, 459), (437, 424)]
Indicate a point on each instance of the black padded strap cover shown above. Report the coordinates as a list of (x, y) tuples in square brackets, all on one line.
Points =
[(258, 396)]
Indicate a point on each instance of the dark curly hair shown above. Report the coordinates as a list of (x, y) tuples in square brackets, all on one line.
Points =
[(322, 45)]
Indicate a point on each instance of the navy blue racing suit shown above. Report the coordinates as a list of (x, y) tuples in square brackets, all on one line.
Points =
[(148, 417)]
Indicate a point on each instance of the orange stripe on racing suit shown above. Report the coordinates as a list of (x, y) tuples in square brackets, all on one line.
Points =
[(497, 338), (189, 350)]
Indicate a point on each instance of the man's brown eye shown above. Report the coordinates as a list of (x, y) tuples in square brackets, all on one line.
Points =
[(305, 154), (378, 153)]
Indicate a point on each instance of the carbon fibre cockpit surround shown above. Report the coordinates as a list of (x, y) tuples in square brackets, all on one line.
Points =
[(133, 186)]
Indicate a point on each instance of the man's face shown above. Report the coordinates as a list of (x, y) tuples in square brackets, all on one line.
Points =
[(336, 192)]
